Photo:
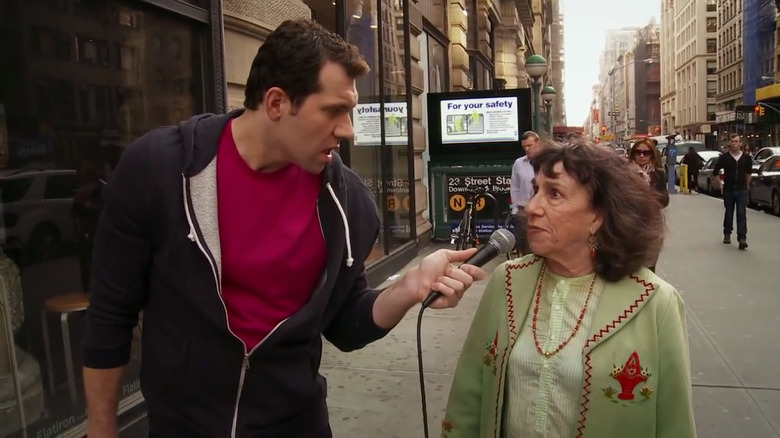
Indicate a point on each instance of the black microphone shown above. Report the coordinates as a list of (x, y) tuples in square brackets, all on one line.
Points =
[(501, 242)]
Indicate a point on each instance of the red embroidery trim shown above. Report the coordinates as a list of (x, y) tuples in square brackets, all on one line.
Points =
[(649, 287), (510, 304)]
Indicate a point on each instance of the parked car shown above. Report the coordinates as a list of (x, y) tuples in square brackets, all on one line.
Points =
[(707, 182), (36, 212), (764, 153), (764, 190), (705, 156)]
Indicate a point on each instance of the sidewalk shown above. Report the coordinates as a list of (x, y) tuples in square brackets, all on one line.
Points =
[(732, 304), (375, 392)]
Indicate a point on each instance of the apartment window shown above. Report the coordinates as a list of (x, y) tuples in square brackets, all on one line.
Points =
[(712, 45), (712, 24), (49, 43), (712, 67), (92, 51), (712, 88)]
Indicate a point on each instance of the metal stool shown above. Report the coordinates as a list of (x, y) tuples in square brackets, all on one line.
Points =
[(63, 305)]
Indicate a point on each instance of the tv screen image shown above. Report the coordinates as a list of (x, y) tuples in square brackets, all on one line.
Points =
[(479, 120), (477, 126)]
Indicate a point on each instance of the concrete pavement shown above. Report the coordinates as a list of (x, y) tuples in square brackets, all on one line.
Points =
[(733, 307)]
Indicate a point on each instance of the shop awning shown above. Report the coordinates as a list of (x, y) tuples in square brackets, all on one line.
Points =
[(768, 92)]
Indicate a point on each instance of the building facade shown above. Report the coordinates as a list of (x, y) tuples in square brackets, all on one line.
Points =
[(90, 77), (647, 80), (696, 48), (611, 70), (558, 64), (669, 94)]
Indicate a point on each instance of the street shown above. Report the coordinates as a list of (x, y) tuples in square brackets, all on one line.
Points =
[(733, 307)]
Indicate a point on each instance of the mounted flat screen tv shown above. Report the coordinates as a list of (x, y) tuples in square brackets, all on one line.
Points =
[(478, 124)]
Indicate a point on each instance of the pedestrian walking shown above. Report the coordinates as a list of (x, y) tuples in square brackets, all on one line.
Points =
[(695, 162), (522, 188), (737, 167), (646, 161)]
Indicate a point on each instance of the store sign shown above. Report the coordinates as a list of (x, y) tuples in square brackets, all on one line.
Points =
[(367, 120), (397, 202), (460, 189)]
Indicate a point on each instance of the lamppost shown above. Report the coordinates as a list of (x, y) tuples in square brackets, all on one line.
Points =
[(536, 66), (548, 94)]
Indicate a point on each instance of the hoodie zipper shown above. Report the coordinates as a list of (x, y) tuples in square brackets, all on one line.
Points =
[(193, 236)]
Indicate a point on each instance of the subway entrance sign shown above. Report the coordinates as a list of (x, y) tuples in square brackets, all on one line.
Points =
[(453, 185)]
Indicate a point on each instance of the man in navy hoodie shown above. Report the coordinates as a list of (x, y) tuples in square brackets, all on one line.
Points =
[(242, 238)]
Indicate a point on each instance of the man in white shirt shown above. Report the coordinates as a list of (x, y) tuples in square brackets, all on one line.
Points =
[(522, 189)]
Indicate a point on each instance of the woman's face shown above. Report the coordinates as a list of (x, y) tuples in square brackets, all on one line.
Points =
[(642, 154), (560, 217)]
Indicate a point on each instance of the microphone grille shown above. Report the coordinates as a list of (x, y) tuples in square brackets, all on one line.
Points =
[(503, 239)]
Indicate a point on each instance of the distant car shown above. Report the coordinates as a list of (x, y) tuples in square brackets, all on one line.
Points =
[(707, 182), (764, 190)]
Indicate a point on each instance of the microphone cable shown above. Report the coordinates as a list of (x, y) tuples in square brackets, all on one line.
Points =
[(420, 367)]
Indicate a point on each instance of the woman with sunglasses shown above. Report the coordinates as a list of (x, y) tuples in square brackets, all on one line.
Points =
[(646, 160)]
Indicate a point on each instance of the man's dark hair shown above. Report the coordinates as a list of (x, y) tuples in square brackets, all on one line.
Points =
[(632, 231), (291, 58)]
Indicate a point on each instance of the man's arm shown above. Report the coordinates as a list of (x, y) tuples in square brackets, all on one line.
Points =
[(121, 262), (102, 390), (514, 187), (434, 273)]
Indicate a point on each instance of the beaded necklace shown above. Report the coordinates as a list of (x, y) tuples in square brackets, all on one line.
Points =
[(536, 314)]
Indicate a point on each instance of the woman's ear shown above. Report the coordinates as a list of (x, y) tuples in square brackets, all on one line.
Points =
[(598, 220)]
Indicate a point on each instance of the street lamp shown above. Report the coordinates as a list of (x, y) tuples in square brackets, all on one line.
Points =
[(548, 94), (536, 66)]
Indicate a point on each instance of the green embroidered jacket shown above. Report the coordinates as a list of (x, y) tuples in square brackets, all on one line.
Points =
[(637, 378)]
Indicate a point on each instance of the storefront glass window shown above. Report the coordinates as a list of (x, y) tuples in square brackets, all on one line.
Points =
[(88, 78), (384, 169)]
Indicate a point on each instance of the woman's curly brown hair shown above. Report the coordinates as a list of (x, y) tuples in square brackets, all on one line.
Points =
[(632, 231)]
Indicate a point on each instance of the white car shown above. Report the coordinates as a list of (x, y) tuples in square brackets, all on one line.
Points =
[(36, 211), (705, 155)]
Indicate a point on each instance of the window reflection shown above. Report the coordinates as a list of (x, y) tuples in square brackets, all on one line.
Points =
[(386, 83), (90, 78)]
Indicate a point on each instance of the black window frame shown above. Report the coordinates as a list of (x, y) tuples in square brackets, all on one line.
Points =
[(440, 37)]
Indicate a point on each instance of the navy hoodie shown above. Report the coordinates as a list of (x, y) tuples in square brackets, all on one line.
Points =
[(157, 251)]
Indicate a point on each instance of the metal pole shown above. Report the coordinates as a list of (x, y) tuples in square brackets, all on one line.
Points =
[(537, 107), (549, 106)]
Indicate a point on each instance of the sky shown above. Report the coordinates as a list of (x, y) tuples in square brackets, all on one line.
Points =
[(585, 24)]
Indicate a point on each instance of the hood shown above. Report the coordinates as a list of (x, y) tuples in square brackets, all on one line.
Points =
[(200, 140)]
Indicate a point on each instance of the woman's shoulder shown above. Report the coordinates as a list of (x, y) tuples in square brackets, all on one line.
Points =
[(664, 293)]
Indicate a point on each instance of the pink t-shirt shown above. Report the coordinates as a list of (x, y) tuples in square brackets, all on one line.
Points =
[(273, 250)]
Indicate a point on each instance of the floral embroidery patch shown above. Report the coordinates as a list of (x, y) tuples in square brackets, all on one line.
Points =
[(629, 376), (446, 426), (491, 356)]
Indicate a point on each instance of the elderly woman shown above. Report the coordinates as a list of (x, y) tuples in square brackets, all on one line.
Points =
[(578, 340)]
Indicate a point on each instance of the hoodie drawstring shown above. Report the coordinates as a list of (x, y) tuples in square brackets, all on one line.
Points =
[(350, 260)]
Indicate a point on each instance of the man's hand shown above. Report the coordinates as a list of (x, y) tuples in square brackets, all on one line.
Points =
[(434, 273)]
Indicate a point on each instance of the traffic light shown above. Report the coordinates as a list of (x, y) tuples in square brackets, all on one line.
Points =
[(603, 130), (759, 110)]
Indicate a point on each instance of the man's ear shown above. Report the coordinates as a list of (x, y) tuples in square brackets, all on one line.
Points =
[(276, 103)]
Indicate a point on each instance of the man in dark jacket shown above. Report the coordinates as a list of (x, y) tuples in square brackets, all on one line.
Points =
[(737, 167), (243, 237)]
